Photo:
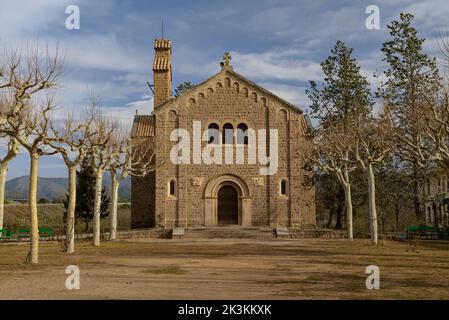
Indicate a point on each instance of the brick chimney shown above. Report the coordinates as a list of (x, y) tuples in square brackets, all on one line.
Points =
[(162, 71)]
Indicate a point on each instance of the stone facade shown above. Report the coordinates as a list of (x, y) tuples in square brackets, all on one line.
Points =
[(436, 194), (285, 198)]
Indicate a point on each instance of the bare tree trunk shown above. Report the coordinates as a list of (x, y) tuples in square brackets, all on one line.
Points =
[(3, 171), (348, 201), (372, 203), (348, 205), (97, 206), (396, 213), (330, 218), (70, 221), (114, 201), (33, 255), (416, 197)]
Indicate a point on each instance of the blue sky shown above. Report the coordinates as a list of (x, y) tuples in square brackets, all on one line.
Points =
[(277, 44)]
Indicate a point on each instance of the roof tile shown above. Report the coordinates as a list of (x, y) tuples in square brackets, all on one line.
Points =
[(161, 64), (162, 44), (143, 126)]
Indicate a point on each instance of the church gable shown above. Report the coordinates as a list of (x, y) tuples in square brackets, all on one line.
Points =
[(229, 92), (226, 90), (227, 79)]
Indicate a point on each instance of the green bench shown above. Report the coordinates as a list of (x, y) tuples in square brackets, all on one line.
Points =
[(423, 232), (45, 232), (24, 233), (5, 234), (420, 228)]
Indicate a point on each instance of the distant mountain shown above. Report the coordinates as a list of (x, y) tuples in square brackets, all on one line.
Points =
[(56, 188)]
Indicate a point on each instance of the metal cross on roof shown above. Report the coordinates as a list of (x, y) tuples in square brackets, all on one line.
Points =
[(226, 60)]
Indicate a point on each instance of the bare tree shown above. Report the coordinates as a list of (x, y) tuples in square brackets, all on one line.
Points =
[(24, 78), (30, 128), (70, 140), (102, 144), (6, 103), (372, 146), (12, 152), (332, 153), (128, 158)]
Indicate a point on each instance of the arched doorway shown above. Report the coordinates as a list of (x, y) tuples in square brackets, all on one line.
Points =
[(228, 205), (227, 201)]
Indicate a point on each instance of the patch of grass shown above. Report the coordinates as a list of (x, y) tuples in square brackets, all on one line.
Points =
[(171, 270)]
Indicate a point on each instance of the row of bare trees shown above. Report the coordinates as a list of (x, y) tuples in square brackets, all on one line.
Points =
[(359, 143), (408, 123), (28, 84)]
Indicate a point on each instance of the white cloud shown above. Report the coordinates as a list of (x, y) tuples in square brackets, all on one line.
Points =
[(291, 93), (293, 21), (430, 13), (133, 78), (126, 114), (105, 52), (75, 91), (276, 64), (193, 62), (26, 17)]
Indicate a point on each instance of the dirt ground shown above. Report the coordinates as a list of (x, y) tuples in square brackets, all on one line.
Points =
[(229, 269)]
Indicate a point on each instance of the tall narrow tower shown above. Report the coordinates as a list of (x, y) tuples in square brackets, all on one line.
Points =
[(162, 71)]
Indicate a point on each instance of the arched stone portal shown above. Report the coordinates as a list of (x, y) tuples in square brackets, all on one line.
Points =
[(227, 205), (227, 201)]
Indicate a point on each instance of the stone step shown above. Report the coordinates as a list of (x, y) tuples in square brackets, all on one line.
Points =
[(227, 232)]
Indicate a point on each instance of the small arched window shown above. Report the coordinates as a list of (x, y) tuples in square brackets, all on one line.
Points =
[(213, 131), (283, 187), (242, 133), (172, 187), (228, 133)]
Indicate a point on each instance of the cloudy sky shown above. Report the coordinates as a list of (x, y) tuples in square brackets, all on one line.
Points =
[(278, 44)]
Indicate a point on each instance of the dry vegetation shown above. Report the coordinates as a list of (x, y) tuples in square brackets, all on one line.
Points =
[(230, 269), (52, 216)]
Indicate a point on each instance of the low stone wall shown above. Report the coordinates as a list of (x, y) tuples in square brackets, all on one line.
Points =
[(214, 233), (232, 232), (316, 233), (154, 233)]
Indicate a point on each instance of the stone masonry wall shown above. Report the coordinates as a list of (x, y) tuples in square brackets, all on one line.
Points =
[(228, 99)]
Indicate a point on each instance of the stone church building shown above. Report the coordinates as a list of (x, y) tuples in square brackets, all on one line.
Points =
[(199, 194)]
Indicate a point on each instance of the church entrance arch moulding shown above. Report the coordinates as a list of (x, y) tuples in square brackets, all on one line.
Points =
[(211, 199)]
